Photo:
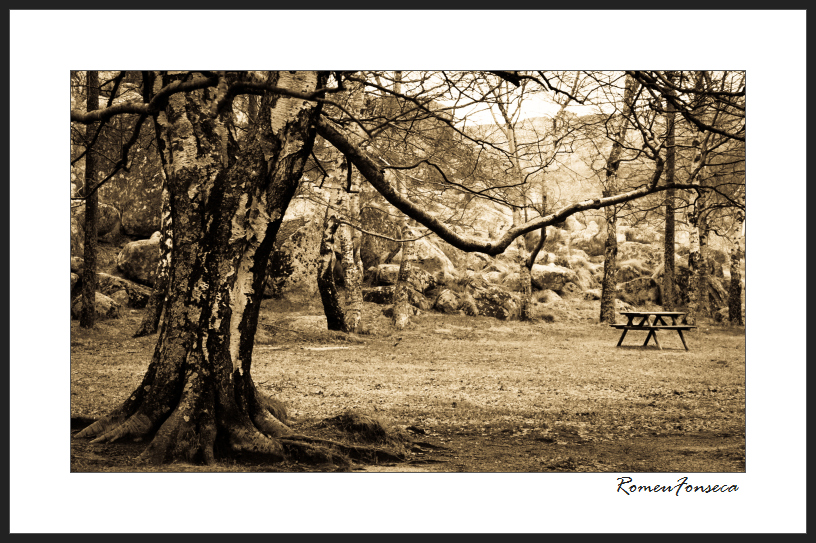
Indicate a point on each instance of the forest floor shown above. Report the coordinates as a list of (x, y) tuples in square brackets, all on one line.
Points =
[(475, 394)]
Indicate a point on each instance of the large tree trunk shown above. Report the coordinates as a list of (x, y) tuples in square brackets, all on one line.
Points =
[(155, 304), (735, 289), (610, 276), (227, 205), (669, 294), (88, 313)]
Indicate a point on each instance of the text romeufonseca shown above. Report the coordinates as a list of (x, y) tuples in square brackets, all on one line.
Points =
[(682, 484)]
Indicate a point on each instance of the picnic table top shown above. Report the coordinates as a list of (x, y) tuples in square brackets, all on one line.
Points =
[(640, 313)]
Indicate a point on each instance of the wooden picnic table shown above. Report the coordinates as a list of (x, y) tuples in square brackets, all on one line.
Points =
[(652, 321)]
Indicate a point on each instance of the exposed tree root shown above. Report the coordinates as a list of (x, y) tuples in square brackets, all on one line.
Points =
[(116, 426)]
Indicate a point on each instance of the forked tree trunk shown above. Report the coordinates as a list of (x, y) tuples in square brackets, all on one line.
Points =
[(227, 204), (87, 316), (735, 289), (155, 304)]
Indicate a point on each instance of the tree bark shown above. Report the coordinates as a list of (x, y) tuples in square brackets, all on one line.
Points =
[(87, 316), (227, 204), (610, 283), (697, 287), (352, 264), (735, 289), (335, 316), (403, 309), (698, 284), (669, 294), (155, 304)]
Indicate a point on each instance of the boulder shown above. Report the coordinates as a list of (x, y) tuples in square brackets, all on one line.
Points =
[(632, 269), (592, 294), (385, 295), (476, 281), (570, 290), (374, 250), (74, 281), (620, 305), (105, 307), (138, 261), (572, 224), (639, 291), (548, 297), (590, 240), (385, 274), (477, 261), (447, 302), (551, 277), (378, 295), (292, 271), (77, 236), (501, 266), (430, 258), (141, 204), (419, 279), (649, 256), (77, 264), (121, 297), (496, 302), (512, 282), (494, 277), (108, 219), (135, 295), (585, 279), (643, 234)]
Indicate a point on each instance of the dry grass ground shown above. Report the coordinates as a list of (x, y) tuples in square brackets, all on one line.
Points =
[(477, 394)]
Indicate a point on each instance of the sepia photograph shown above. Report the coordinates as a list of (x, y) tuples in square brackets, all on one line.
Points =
[(434, 271), (407, 271)]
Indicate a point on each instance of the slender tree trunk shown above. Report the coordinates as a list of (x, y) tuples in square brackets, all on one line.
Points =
[(227, 204), (735, 289), (155, 304), (610, 272), (669, 295), (335, 317), (352, 265), (610, 276), (403, 309), (88, 314)]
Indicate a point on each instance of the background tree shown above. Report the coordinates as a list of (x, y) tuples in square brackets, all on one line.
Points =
[(87, 317)]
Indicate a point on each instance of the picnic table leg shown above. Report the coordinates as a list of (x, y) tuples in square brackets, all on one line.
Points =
[(683, 339), (623, 335), (652, 334)]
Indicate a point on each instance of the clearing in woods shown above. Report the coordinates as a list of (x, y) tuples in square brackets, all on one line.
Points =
[(463, 394)]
